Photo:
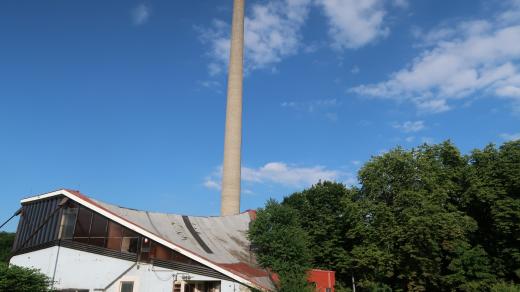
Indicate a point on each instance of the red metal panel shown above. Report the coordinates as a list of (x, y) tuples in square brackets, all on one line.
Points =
[(322, 279)]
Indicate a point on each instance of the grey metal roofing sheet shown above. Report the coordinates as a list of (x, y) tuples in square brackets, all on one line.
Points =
[(225, 236)]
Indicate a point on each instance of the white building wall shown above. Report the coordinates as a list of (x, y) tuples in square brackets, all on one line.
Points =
[(82, 270)]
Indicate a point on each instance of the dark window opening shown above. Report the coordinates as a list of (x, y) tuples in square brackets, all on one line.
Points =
[(213, 286), (98, 230), (81, 233), (127, 286), (177, 287), (146, 248)]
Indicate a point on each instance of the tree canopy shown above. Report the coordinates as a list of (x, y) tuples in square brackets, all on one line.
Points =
[(425, 219), (20, 279), (6, 244)]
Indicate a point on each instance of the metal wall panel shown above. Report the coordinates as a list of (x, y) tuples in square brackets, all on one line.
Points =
[(38, 223)]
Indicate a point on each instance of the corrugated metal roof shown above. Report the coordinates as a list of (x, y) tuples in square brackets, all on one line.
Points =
[(226, 237)]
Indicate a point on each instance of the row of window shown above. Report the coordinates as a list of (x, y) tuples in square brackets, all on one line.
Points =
[(81, 224)]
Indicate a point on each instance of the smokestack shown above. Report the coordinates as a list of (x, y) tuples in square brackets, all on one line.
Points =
[(230, 203)]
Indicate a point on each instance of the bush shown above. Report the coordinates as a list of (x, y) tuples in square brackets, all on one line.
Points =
[(19, 279), (505, 287)]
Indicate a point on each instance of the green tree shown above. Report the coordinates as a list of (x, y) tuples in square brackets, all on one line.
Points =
[(505, 287), (282, 245), (494, 201), (19, 279), (6, 244), (425, 219)]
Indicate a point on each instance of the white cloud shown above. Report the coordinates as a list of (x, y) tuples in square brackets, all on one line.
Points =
[(212, 85), (320, 107), (509, 91), (354, 23), (410, 126), (212, 184), (311, 106), (271, 32), (510, 137), (401, 3), (286, 175), (141, 14), (283, 174), (478, 56)]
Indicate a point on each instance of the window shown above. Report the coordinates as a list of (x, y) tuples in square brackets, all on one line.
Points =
[(177, 287), (213, 286), (146, 245), (83, 225), (114, 238), (127, 286), (161, 252), (81, 233), (68, 221), (130, 241), (202, 287), (189, 287), (98, 230)]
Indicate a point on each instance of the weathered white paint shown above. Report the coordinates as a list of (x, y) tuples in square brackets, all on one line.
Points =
[(83, 270), (146, 233)]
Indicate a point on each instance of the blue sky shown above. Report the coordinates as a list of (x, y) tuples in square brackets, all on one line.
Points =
[(125, 100)]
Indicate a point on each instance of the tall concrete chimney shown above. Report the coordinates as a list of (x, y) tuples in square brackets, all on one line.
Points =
[(230, 201)]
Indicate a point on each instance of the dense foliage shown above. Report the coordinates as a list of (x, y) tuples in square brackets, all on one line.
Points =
[(6, 244), (19, 279), (282, 245), (426, 219)]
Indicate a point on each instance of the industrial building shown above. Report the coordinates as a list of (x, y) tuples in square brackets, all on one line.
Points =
[(86, 245)]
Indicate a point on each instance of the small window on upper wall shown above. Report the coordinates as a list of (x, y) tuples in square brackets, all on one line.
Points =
[(127, 286)]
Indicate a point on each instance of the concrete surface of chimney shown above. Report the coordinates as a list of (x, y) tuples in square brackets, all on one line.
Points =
[(230, 201)]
